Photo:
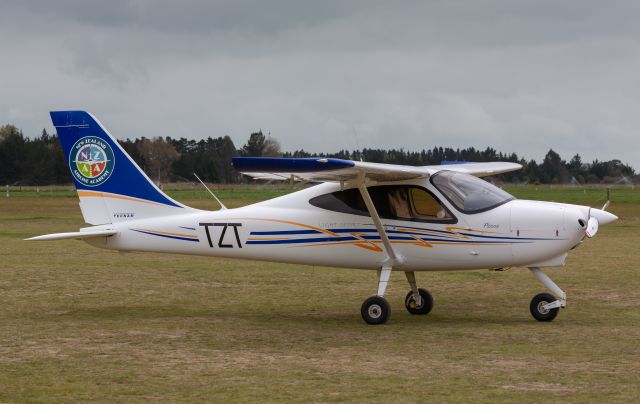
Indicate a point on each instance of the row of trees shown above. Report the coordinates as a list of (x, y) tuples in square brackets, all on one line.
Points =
[(40, 160)]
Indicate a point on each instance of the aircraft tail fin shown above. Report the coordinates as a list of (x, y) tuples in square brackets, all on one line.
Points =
[(110, 185)]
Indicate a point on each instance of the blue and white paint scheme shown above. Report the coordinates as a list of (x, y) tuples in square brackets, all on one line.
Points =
[(362, 215)]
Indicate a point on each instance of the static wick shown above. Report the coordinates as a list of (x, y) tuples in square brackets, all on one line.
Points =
[(222, 207)]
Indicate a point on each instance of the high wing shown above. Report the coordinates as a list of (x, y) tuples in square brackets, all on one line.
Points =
[(337, 170), (323, 169)]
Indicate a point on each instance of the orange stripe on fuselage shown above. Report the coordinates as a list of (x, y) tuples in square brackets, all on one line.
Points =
[(457, 229), (368, 245), (96, 194), (431, 232)]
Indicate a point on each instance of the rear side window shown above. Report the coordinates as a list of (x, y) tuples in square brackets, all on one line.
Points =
[(398, 202), (347, 201)]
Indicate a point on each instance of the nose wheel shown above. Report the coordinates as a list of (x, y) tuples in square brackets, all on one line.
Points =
[(544, 306), (539, 307)]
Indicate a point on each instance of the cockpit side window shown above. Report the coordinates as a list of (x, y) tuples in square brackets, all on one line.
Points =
[(427, 206), (398, 202)]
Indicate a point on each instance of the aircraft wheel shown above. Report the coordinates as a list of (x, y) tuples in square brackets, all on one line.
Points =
[(425, 306), (375, 310), (537, 310)]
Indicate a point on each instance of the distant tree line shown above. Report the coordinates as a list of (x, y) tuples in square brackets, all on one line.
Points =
[(40, 160), (552, 170)]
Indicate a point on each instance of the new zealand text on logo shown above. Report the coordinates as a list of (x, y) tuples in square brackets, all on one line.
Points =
[(91, 161)]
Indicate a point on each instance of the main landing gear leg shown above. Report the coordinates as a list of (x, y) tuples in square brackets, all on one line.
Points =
[(545, 307), (418, 301), (376, 309)]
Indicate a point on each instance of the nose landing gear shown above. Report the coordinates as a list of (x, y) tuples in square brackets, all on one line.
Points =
[(545, 307), (539, 307)]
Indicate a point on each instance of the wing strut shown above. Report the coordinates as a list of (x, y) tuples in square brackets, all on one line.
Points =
[(393, 258)]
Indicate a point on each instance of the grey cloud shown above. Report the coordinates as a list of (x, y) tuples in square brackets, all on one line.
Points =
[(193, 16), (515, 75)]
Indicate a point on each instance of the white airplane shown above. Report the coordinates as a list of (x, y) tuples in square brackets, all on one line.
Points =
[(363, 215)]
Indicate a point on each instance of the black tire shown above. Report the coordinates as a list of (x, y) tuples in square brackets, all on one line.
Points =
[(538, 312), (375, 310), (424, 308)]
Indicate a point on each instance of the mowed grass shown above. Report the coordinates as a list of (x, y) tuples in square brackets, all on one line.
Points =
[(83, 324)]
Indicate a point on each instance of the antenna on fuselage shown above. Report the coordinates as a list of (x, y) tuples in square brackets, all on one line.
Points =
[(222, 207)]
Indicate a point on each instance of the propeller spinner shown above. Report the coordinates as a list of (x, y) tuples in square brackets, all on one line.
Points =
[(596, 218)]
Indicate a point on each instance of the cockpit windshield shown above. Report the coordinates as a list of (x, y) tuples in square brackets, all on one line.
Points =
[(467, 193)]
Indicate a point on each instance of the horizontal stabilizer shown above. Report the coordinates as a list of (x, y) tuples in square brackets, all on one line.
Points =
[(74, 235)]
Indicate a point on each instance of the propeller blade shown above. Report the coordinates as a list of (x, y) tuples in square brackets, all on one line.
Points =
[(592, 227)]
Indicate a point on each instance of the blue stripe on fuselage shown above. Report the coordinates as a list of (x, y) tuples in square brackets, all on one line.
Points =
[(167, 236)]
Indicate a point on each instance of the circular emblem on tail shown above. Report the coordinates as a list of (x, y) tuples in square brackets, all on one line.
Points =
[(91, 161)]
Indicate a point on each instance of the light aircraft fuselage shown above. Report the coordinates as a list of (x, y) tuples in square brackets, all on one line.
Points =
[(515, 233)]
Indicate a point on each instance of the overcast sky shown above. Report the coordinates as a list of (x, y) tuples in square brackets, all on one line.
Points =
[(519, 76)]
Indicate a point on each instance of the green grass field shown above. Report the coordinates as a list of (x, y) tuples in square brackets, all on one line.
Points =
[(84, 324)]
